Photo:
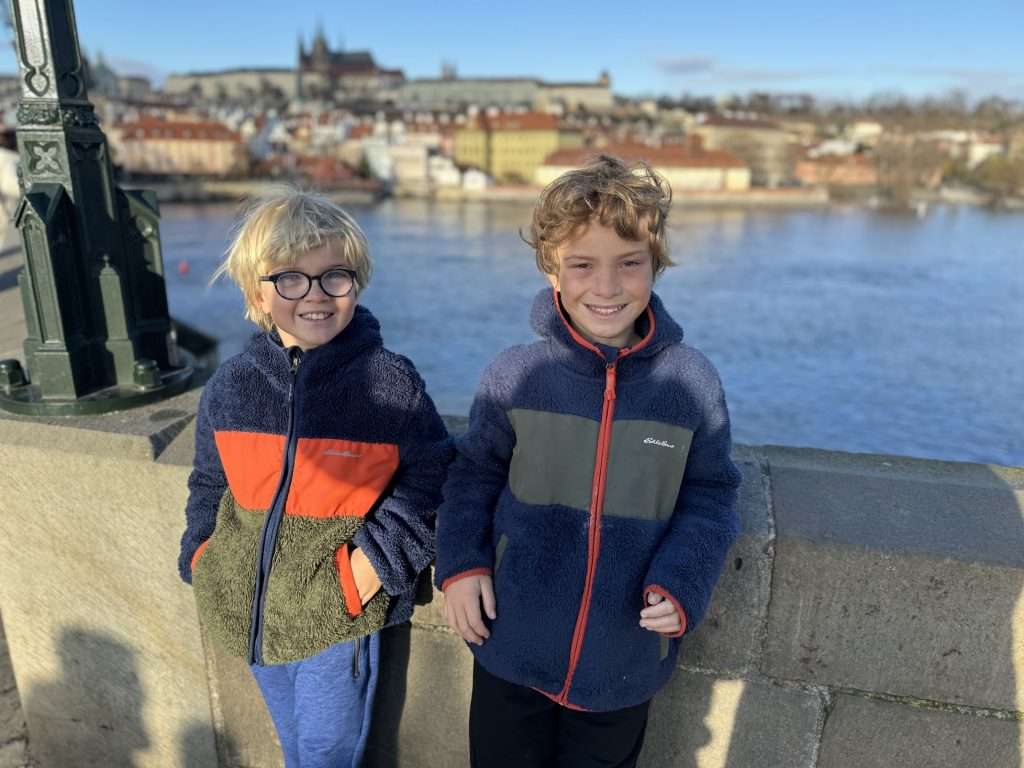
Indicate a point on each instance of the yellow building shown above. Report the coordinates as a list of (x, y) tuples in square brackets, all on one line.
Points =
[(510, 147)]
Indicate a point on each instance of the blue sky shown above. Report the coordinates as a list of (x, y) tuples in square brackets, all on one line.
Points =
[(852, 51)]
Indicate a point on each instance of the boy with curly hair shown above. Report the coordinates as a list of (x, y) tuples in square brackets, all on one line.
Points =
[(590, 506)]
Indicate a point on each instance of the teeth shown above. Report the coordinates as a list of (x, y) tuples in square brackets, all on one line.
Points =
[(605, 310), (315, 315)]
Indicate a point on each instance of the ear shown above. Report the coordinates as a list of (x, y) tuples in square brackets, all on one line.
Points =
[(553, 279), (259, 302)]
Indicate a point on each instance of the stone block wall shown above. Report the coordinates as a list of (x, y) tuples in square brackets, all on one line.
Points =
[(871, 614)]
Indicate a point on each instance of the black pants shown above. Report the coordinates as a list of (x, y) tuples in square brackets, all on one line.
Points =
[(511, 725)]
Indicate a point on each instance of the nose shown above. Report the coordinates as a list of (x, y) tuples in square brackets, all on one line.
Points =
[(316, 291), (607, 282)]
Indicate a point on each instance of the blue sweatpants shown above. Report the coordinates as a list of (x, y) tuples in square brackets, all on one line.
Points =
[(321, 706)]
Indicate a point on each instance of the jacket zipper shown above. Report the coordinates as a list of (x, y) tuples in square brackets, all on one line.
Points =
[(355, 659), (594, 534), (272, 522)]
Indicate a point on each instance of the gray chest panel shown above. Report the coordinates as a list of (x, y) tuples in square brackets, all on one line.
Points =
[(553, 463)]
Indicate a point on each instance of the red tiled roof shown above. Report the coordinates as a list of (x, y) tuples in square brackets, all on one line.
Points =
[(526, 121), (155, 128), (663, 157), (360, 131)]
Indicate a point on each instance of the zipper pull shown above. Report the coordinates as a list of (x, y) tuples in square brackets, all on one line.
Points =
[(609, 381), (295, 355)]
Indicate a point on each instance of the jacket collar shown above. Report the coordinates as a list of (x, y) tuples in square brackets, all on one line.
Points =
[(267, 353), (656, 328)]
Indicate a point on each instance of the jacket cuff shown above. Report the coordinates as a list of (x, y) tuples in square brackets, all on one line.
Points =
[(659, 590), (464, 575)]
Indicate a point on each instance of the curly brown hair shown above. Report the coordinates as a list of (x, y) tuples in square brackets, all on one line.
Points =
[(628, 197)]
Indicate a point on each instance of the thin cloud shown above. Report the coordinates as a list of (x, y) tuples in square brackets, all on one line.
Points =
[(768, 75), (963, 73), (686, 65), (709, 70)]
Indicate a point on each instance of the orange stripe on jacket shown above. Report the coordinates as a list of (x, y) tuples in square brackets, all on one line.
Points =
[(334, 478), (199, 551), (252, 463), (349, 590)]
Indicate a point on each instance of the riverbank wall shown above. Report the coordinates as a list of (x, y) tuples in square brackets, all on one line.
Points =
[(212, 191), (870, 614)]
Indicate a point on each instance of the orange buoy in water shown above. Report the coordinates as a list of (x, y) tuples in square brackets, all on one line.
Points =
[(182, 267)]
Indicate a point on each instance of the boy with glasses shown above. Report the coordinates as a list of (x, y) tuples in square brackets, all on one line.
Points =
[(318, 466), (590, 507)]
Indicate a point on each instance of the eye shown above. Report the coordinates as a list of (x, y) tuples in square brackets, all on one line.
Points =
[(290, 279), (579, 265), (632, 263), (336, 281)]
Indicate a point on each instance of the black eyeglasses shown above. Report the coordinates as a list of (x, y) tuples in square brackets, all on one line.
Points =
[(336, 283)]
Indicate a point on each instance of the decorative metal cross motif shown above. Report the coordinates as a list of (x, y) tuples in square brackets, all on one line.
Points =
[(45, 158)]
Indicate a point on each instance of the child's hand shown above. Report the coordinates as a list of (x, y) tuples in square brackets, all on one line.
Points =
[(366, 578), (660, 615), (462, 607)]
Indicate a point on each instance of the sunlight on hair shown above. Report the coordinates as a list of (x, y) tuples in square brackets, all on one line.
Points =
[(720, 722), (281, 226), (630, 198)]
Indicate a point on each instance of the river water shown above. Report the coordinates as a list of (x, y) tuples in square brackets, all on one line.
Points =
[(838, 328)]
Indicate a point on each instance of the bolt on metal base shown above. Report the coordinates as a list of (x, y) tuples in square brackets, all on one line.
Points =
[(151, 384)]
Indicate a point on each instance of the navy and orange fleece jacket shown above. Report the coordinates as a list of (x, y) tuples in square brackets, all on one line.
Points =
[(300, 457), (587, 478)]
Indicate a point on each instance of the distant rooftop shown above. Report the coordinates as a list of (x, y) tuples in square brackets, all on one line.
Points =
[(665, 157)]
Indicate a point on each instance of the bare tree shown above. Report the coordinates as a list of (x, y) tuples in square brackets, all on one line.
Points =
[(907, 164)]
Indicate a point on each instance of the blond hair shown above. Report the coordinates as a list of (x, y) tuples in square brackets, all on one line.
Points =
[(628, 197), (277, 229)]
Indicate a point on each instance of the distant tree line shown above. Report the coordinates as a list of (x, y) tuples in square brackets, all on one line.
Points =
[(953, 109)]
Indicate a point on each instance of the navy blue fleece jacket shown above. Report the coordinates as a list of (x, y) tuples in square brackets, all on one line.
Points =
[(585, 481), (299, 458)]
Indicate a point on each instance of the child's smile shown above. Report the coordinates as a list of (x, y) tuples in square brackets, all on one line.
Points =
[(317, 317), (605, 284)]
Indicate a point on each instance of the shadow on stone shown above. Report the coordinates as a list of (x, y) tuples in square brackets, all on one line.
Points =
[(92, 713), (383, 748), (199, 741), (9, 278)]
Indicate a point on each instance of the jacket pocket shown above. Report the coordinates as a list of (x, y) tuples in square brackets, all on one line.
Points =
[(347, 582), (198, 553)]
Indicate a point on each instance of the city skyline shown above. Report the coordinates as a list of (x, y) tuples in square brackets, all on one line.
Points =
[(918, 49)]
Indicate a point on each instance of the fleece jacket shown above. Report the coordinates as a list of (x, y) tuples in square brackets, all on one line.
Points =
[(589, 477), (299, 458)]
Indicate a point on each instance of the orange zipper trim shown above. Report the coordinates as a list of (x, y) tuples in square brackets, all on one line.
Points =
[(604, 440), (594, 535)]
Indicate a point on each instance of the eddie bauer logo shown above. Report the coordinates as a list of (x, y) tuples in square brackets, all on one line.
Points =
[(655, 441), (346, 454)]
